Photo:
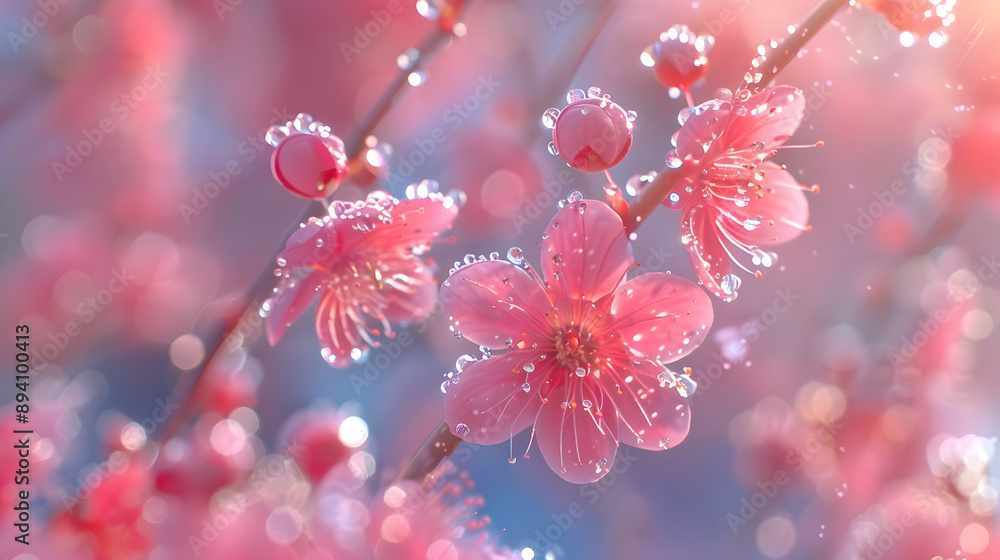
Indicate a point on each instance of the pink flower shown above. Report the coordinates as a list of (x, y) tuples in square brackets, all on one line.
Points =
[(921, 17), (586, 347), (362, 260), (732, 196)]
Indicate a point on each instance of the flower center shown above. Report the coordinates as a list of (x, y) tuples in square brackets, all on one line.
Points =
[(572, 351)]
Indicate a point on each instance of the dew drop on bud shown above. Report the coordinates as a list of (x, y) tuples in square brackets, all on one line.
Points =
[(549, 117), (575, 95), (552, 149), (594, 92), (631, 115), (580, 372), (469, 259), (665, 443), (673, 160), (461, 430)]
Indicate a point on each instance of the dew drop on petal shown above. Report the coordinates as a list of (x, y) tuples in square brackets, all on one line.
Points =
[(580, 372), (464, 361), (575, 196), (529, 367), (516, 256)]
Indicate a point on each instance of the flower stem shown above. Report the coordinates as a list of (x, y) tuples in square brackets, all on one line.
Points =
[(189, 393), (437, 448), (773, 61)]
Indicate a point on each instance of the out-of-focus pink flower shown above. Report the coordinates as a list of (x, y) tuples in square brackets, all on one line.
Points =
[(590, 134), (362, 259), (921, 17), (315, 440), (679, 58), (414, 521), (587, 348), (972, 169), (731, 195), (308, 160)]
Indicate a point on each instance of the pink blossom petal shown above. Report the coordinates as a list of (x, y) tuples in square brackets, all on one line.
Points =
[(577, 444), (708, 255), (408, 286), (701, 128), (291, 301), (784, 210), (415, 224), (661, 316), (492, 301), (488, 404), (301, 249), (337, 330), (779, 111), (587, 246), (650, 416)]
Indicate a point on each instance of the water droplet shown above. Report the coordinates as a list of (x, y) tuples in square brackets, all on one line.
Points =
[(673, 160), (575, 95), (580, 372), (512, 460), (685, 385), (665, 443), (281, 261), (464, 361), (526, 387), (594, 92), (575, 196), (276, 134), (549, 117), (509, 341), (469, 259), (552, 149), (730, 283), (674, 198), (631, 115), (753, 223), (557, 259), (529, 367), (461, 430), (356, 354), (762, 258), (516, 256), (602, 464), (666, 378)]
